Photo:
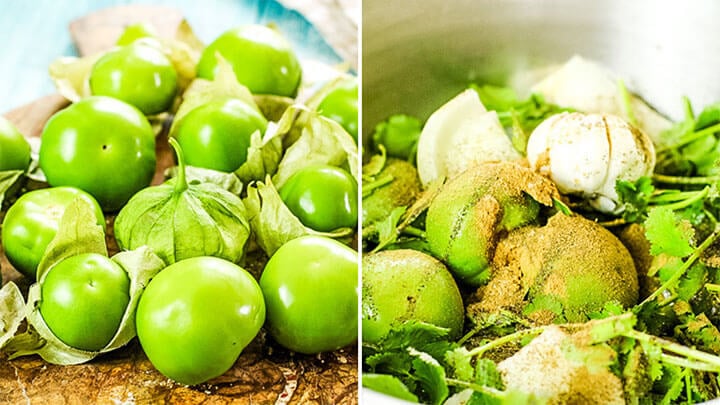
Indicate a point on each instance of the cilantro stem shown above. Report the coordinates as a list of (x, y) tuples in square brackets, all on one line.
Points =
[(690, 201), (478, 351), (692, 137), (685, 266), (412, 231), (685, 180), (686, 363), (369, 188), (614, 222), (710, 361), (470, 334), (664, 196), (712, 287), (495, 393)]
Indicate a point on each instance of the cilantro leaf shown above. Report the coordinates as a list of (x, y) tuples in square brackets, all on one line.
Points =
[(413, 334), (692, 147), (666, 234), (692, 281), (389, 385), (387, 229), (672, 383), (487, 374), (548, 303), (634, 198), (398, 135), (430, 375), (459, 362)]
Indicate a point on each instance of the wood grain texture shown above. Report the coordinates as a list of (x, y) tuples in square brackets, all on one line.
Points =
[(30, 118), (264, 373)]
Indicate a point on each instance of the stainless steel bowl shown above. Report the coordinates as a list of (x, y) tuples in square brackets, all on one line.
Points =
[(418, 54)]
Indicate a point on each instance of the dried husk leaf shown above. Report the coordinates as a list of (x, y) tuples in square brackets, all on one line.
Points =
[(77, 234), (321, 141), (273, 223)]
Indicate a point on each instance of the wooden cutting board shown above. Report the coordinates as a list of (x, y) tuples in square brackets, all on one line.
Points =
[(264, 373)]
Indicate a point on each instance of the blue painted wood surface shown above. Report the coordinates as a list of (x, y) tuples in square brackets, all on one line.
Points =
[(34, 32)]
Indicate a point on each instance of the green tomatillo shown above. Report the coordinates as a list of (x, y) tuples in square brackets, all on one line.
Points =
[(101, 145), (134, 32), (181, 219), (323, 197), (341, 105), (196, 316), (216, 135), (137, 74), (466, 218), (261, 57), (14, 148), (310, 286), (32, 222), (404, 285), (84, 298), (399, 135)]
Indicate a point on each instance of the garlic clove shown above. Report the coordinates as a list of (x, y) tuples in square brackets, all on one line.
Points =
[(571, 149), (587, 86), (586, 154), (458, 135), (633, 156)]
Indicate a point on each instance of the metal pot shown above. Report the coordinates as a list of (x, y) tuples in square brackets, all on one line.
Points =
[(416, 55)]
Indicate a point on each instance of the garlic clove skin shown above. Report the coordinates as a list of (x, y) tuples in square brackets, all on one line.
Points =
[(632, 156), (460, 134), (586, 154), (571, 149), (587, 86)]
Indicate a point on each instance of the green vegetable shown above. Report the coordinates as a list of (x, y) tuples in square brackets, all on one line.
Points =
[(341, 105), (14, 148), (138, 74), (388, 385), (173, 59), (395, 185), (179, 220), (112, 164), (84, 299), (413, 352), (196, 316), (463, 220), (692, 146), (323, 197), (217, 135), (318, 140), (32, 222), (78, 238), (261, 57), (264, 148), (402, 285), (133, 32), (566, 270), (398, 135), (310, 285), (543, 265)]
